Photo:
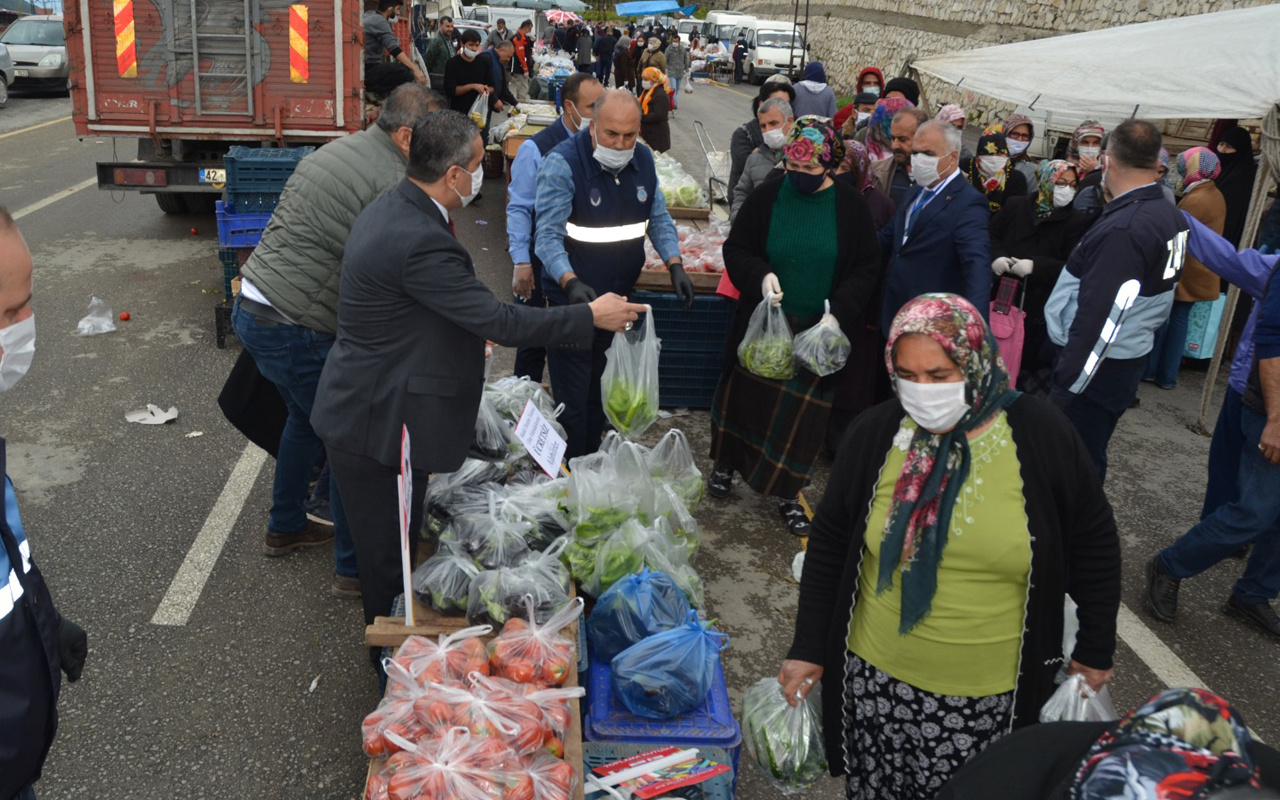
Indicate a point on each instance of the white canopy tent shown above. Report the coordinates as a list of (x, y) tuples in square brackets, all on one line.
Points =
[(1224, 65)]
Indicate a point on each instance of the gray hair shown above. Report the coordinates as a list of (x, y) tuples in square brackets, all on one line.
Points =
[(504, 46), (441, 139), (776, 104), (621, 94), (407, 104), (949, 132)]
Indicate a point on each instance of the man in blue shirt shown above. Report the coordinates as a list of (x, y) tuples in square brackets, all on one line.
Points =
[(578, 96), (36, 642), (597, 198)]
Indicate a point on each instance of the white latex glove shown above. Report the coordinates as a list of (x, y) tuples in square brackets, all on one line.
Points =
[(770, 288), (1001, 265), (1022, 267)]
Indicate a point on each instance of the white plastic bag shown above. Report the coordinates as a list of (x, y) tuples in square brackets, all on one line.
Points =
[(1076, 701), (766, 349), (822, 349), (101, 319), (629, 386), (479, 113)]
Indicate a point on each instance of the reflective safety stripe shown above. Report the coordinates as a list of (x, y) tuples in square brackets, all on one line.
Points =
[(1125, 298), (10, 593), (606, 235)]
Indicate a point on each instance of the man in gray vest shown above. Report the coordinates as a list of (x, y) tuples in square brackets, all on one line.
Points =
[(287, 312)]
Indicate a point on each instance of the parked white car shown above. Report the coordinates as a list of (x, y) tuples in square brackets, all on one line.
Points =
[(6, 75)]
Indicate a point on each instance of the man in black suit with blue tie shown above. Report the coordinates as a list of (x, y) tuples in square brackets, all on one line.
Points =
[(938, 241), (412, 323)]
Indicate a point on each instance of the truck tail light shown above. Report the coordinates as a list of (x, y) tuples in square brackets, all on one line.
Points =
[(124, 176)]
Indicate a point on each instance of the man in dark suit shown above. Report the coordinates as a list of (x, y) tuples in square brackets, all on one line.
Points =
[(412, 324), (938, 241)]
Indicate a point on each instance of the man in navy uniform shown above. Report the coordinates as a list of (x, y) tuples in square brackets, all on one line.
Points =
[(597, 197)]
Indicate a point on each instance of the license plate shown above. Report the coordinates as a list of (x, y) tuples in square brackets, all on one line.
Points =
[(21, 73), (214, 176)]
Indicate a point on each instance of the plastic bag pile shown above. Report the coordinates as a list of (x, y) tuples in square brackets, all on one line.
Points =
[(702, 250), (680, 188)]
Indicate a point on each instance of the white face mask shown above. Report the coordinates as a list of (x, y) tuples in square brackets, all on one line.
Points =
[(990, 166), (1090, 152), (467, 54), (1017, 148), (19, 343), (654, 45), (872, 90), (609, 158), (924, 169), (936, 407), (646, 84), (1063, 195), (578, 121), (477, 182), (774, 139), (863, 116)]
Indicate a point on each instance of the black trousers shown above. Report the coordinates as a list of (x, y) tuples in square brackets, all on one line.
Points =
[(374, 517), (1096, 411), (382, 77), (531, 360)]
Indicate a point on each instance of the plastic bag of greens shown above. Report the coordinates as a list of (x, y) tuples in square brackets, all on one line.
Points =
[(490, 539), (766, 348), (498, 595), (632, 547), (669, 673), (509, 396), (549, 521), (479, 113), (444, 580), (631, 465), (822, 349), (671, 461), (493, 440), (629, 386), (669, 508), (785, 740), (634, 608)]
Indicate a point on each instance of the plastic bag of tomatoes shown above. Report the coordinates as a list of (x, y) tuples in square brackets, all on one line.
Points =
[(454, 765), (394, 719), (527, 652), (449, 658), (556, 711), (549, 778)]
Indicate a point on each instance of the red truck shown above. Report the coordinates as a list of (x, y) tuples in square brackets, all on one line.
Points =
[(191, 78)]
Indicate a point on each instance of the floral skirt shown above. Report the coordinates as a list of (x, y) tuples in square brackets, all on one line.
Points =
[(904, 743)]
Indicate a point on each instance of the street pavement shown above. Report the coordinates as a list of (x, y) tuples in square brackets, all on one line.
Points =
[(261, 692)]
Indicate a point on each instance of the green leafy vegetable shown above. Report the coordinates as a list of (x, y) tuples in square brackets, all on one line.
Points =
[(627, 407), (784, 740), (768, 357)]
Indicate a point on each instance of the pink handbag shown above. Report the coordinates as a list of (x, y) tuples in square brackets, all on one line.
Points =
[(1009, 325)]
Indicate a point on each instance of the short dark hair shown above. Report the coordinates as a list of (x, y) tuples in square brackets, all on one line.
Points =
[(470, 35), (769, 90), (1135, 143), (383, 5), (406, 104), (441, 139), (444, 18), (528, 23), (573, 87), (921, 116), (502, 22)]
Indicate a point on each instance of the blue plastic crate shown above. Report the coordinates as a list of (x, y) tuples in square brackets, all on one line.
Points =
[(262, 169), (712, 724), (240, 230), (721, 787), (688, 379), (253, 202), (702, 329)]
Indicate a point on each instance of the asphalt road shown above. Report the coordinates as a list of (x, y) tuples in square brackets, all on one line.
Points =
[(222, 706)]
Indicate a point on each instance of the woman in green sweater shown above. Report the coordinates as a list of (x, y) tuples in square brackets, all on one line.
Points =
[(805, 240)]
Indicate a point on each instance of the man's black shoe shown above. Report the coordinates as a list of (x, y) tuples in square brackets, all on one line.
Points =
[(1260, 615), (1162, 591), (719, 482)]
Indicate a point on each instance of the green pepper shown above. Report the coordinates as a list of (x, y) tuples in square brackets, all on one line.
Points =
[(769, 358), (627, 407)]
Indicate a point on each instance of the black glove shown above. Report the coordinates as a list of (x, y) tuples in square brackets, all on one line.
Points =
[(73, 649), (579, 292), (681, 285)]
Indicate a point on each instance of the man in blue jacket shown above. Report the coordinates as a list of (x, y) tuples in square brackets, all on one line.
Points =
[(35, 641), (1116, 290), (938, 241)]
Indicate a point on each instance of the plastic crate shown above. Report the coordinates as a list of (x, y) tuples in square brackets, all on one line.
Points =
[(688, 379), (703, 329), (232, 258), (222, 324), (240, 230), (712, 724), (721, 787), (253, 202), (262, 169)]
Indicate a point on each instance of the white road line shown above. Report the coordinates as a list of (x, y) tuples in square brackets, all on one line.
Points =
[(48, 201), (180, 600)]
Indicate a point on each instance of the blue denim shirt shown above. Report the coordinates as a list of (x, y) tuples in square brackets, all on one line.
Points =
[(555, 203), (520, 199)]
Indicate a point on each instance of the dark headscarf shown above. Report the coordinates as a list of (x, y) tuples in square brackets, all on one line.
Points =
[(857, 163), (909, 88), (991, 143), (813, 71), (1236, 181), (937, 464)]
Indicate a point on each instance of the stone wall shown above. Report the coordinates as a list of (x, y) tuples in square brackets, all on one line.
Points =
[(847, 35)]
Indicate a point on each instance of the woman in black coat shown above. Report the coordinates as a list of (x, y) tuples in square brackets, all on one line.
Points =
[(991, 172), (655, 110)]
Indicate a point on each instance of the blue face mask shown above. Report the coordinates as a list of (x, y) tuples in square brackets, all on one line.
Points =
[(805, 182)]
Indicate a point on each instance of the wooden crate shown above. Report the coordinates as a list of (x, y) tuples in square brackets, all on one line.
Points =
[(689, 213), (657, 280)]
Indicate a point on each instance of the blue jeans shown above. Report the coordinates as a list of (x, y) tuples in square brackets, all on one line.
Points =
[(1224, 455), (292, 357), (675, 88), (1251, 516), (1166, 352), (28, 793)]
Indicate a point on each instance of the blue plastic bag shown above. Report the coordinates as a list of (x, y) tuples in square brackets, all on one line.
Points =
[(669, 673), (635, 607)]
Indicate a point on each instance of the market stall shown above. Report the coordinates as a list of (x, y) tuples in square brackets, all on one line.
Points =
[(1142, 71)]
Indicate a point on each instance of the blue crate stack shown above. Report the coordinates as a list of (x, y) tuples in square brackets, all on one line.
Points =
[(693, 346)]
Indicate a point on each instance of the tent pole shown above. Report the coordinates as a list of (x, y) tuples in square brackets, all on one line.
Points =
[(1252, 220)]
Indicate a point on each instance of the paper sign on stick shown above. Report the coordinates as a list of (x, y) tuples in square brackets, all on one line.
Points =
[(540, 439), (405, 485)]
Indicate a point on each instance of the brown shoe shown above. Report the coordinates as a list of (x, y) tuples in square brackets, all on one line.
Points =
[(279, 544), (344, 587)]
